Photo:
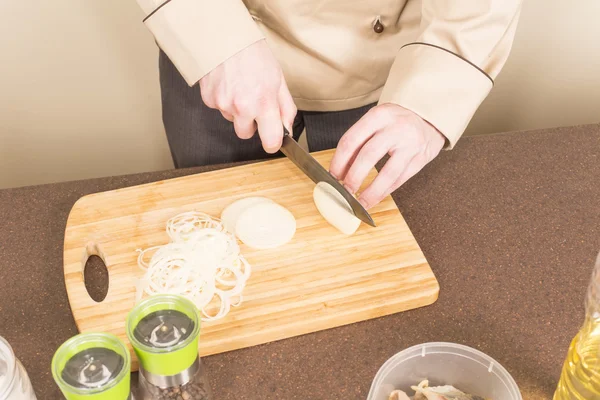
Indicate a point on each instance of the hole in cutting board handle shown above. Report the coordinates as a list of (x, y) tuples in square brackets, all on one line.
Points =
[(95, 274)]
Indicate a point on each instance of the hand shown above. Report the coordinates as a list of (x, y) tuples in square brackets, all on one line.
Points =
[(249, 89), (390, 129)]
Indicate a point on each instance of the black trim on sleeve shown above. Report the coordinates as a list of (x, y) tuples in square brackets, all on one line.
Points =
[(157, 8), (448, 51)]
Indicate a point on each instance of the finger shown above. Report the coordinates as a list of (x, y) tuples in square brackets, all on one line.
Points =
[(386, 179), (245, 127), (227, 116), (287, 107), (206, 95), (352, 141), (270, 129), (372, 151)]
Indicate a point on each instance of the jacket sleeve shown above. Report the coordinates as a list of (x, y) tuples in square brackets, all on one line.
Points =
[(448, 71), (198, 35)]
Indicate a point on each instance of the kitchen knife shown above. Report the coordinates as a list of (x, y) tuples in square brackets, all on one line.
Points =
[(317, 173)]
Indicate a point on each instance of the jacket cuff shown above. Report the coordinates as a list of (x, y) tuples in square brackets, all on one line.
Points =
[(198, 35), (441, 87)]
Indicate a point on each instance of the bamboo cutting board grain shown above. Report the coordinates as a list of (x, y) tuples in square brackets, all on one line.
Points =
[(320, 280)]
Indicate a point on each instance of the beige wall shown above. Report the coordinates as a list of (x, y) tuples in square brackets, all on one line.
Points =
[(78, 92), (553, 75), (79, 95)]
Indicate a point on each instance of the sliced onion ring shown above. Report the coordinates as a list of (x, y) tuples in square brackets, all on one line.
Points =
[(202, 262)]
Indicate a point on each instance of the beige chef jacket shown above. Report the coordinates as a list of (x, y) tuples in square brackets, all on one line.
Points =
[(437, 58)]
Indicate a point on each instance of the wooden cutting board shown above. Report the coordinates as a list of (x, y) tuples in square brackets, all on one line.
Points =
[(320, 280)]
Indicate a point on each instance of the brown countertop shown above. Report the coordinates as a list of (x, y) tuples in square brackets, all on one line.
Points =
[(510, 224)]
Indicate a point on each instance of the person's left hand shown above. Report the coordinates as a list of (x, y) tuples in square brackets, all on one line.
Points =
[(390, 129)]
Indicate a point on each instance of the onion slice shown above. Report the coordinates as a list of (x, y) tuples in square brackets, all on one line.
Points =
[(232, 212), (265, 226), (202, 262)]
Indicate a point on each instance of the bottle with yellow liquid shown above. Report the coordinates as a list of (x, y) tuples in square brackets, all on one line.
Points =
[(580, 378)]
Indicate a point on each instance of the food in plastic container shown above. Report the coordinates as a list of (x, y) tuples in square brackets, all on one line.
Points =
[(442, 364), (425, 392)]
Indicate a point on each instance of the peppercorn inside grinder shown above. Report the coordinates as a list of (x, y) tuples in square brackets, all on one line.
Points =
[(93, 366), (164, 331)]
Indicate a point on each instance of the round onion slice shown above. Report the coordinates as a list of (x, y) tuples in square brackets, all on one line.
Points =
[(232, 212), (265, 226)]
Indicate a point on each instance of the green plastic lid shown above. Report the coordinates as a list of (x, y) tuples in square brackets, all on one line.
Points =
[(164, 332), (93, 366)]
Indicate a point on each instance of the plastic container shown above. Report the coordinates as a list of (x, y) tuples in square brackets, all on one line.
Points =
[(14, 381), (466, 369)]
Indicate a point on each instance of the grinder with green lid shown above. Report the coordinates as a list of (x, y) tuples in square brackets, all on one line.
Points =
[(93, 366), (164, 331)]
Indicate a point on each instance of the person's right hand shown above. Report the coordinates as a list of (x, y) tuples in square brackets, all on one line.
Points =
[(249, 89)]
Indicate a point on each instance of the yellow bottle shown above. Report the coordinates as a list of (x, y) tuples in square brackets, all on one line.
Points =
[(580, 378)]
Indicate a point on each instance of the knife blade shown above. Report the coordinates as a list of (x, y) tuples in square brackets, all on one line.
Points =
[(317, 173)]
